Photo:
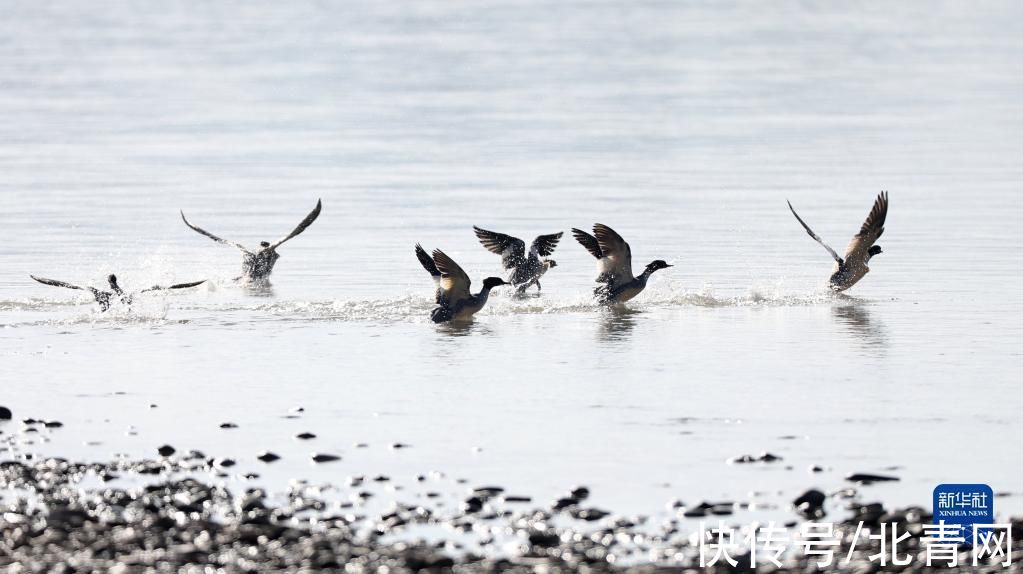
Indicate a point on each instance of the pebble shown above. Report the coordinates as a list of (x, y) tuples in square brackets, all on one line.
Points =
[(305, 436), (6, 414), (399, 445), (166, 450), (810, 504), (53, 424), (267, 456), (322, 457), (867, 478), (228, 426)]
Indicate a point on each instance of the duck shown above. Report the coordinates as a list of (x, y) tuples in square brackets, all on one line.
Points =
[(850, 269), (257, 265), (107, 298), (525, 269), (454, 301), (614, 265)]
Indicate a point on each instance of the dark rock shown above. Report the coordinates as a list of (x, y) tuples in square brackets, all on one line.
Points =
[(53, 424), (810, 504), (517, 499), (267, 456), (580, 493), (6, 414), (867, 478), (472, 504), (400, 445), (166, 450), (322, 457), (305, 436), (228, 426), (768, 457), (224, 462), (742, 459), (590, 514)]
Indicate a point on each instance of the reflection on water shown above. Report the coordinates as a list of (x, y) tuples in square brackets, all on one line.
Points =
[(257, 288), (464, 328), (617, 323), (856, 318)]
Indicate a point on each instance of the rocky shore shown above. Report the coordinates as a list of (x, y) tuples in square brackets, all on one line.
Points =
[(186, 512)]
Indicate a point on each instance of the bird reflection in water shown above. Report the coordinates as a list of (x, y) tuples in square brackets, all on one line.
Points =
[(855, 316), (617, 323), (258, 288)]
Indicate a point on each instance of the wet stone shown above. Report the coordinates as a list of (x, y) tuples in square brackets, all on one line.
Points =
[(6, 414), (323, 457), (53, 424), (810, 504), (305, 436), (267, 456), (867, 478), (166, 450), (228, 426)]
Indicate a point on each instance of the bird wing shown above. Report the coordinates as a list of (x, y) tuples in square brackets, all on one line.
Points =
[(511, 249), (309, 219), (617, 260), (427, 262), (53, 282), (454, 283), (202, 231), (543, 245), (870, 231), (814, 235), (588, 241), (175, 286)]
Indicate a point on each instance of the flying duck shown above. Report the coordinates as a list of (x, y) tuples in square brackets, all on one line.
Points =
[(526, 269), (853, 266), (257, 265), (106, 298), (454, 301), (614, 265)]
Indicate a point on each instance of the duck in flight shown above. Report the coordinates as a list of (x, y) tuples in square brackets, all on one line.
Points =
[(257, 265), (525, 269), (851, 268), (614, 265), (454, 301), (107, 298)]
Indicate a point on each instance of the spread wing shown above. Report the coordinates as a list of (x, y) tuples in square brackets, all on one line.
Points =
[(427, 262), (53, 282), (544, 245), (201, 231), (511, 249), (454, 283), (588, 241), (871, 229), (617, 259), (175, 286), (309, 219), (814, 235)]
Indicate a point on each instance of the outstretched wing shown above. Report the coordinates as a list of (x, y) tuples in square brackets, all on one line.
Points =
[(202, 231), (617, 259), (55, 283), (427, 262), (544, 245), (511, 249), (309, 219), (814, 235), (870, 231), (99, 295), (588, 241), (454, 283), (175, 286)]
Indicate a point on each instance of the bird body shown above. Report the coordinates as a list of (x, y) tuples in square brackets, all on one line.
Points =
[(525, 268), (116, 294), (454, 300), (614, 265), (853, 267), (259, 264)]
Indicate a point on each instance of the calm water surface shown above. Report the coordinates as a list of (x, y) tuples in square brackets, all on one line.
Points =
[(685, 126)]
